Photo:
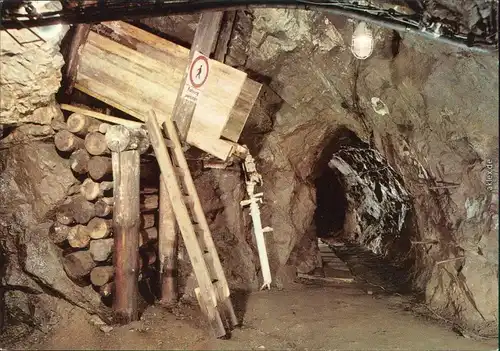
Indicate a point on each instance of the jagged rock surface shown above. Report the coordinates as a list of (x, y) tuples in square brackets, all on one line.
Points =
[(34, 180), (439, 135), (377, 200), (30, 77)]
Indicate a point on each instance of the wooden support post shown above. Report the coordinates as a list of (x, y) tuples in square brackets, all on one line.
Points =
[(126, 220), (167, 247), (224, 35), (126, 234), (79, 38), (204, 39)]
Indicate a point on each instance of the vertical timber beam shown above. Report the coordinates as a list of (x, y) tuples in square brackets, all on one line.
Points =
[(204, 40), (224, 36), (126, 233), (73, 56), (126, 146), (167, 247)]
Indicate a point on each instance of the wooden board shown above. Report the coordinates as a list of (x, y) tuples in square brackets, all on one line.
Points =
[(207, 295), (176, 56), (241, 110), (135, 83), (204, 39), (159, 80)]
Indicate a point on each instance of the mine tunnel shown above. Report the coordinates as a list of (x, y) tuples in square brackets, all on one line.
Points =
[(212, 176), (331, 201)]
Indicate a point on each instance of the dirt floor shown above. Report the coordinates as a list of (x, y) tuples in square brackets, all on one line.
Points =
[(301, 317)]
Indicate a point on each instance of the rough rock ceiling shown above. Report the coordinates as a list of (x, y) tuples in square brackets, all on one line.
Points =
[(471, 22)]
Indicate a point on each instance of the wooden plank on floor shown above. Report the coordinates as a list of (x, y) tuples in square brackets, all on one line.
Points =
[(324, 279)]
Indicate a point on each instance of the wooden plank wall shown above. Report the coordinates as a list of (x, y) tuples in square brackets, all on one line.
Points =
[(176, 56)]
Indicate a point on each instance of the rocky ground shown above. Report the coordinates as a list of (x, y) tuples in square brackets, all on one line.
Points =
[(311, 317)]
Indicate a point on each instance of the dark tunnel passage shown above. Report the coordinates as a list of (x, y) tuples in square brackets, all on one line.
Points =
[(331, 201), (376, 269), (331, 204)]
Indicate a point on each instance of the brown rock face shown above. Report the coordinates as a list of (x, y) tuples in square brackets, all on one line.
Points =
[(36, 176), (439, 134), (34, 180), (31, 76)]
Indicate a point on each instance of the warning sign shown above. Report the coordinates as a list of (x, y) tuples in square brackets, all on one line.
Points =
[(197, 77)]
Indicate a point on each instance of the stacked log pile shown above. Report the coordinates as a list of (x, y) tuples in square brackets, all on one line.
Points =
[(83, 223)]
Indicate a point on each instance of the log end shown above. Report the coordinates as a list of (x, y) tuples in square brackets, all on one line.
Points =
[(117, 138)]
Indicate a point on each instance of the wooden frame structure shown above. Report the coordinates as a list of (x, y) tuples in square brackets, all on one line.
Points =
[(132, 53)]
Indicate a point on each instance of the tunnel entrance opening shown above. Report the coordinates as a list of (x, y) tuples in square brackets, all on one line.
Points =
[(331, 205), (331, 201), (358, 216)]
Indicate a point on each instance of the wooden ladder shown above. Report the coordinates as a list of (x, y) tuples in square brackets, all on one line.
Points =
[(213, 291)]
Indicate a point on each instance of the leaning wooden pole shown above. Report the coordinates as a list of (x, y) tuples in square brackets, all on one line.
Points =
[(204, 40), (80, 36), (126, 146), (167, 247)]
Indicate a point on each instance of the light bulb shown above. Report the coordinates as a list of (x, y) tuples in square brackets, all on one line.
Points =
[(362, 41)]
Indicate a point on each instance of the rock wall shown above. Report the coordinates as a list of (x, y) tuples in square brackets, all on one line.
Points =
[(30, 72), (428, 108), (34, 180), (377, 202)]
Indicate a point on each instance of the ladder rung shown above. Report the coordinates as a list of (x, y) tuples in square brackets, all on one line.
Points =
[(197, 228), (179, 172), (199, 243), (169, 143)]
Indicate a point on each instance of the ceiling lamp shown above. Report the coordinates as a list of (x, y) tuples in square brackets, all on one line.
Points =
[(362, 41)]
